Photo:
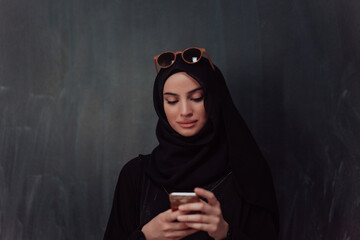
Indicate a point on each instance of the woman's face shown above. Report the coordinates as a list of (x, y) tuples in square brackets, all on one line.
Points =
[(184, 104)]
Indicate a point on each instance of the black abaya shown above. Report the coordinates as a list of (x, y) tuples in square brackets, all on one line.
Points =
[(128, 214)]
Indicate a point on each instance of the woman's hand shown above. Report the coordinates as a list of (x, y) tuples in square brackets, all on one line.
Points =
[(164, 227), (209, 218)]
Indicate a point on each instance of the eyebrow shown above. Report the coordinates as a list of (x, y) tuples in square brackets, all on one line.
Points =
[(190, 92)]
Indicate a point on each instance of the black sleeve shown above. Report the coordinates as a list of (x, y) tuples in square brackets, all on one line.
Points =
[(258, 224), (123, 222)]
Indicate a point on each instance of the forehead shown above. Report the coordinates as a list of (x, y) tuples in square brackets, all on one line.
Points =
[(180, 82)]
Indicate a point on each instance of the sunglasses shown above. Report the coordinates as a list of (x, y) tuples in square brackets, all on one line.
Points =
[(190, 56)]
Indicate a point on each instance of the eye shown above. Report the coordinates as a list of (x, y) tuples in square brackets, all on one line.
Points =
[(171, 102), (198, 99)]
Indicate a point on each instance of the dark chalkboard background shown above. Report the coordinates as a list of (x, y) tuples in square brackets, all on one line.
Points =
[(76, 104)]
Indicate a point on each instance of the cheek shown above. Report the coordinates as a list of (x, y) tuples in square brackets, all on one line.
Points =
[(170, 113), (202, 113)]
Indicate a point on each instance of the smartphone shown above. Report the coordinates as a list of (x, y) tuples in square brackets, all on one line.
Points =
[(178, 198)]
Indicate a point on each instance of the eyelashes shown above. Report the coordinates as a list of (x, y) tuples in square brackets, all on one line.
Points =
[(199, 99), (171, 102)]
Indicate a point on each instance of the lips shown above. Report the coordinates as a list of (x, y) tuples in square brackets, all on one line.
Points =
[(187, 124)]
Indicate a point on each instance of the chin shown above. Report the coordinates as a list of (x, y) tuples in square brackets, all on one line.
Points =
[(188, 133)]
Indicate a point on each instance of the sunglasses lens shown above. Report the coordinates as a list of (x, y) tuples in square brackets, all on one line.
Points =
[(192, 55), (166, 59)]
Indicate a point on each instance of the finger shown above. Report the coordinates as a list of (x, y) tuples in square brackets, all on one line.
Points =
[(198, 206), (208, 195), (171, 216), (198, 218), (201, 207), (203, 227), (176, 226)]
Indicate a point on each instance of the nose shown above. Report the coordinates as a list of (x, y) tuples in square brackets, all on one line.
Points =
[(186, 109)]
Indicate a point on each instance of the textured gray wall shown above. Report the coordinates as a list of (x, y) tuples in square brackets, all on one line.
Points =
[(76, 104)]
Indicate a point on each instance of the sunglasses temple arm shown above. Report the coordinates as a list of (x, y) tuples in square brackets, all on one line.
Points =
[(212, 65), (157, 71)]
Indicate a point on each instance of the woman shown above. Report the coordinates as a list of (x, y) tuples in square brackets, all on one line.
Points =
[(204, 146)]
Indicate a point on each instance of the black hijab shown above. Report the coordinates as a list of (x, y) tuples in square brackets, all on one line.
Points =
[(225, 143)]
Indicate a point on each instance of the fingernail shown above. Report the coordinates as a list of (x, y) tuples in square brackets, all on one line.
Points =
[(181, 208)]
